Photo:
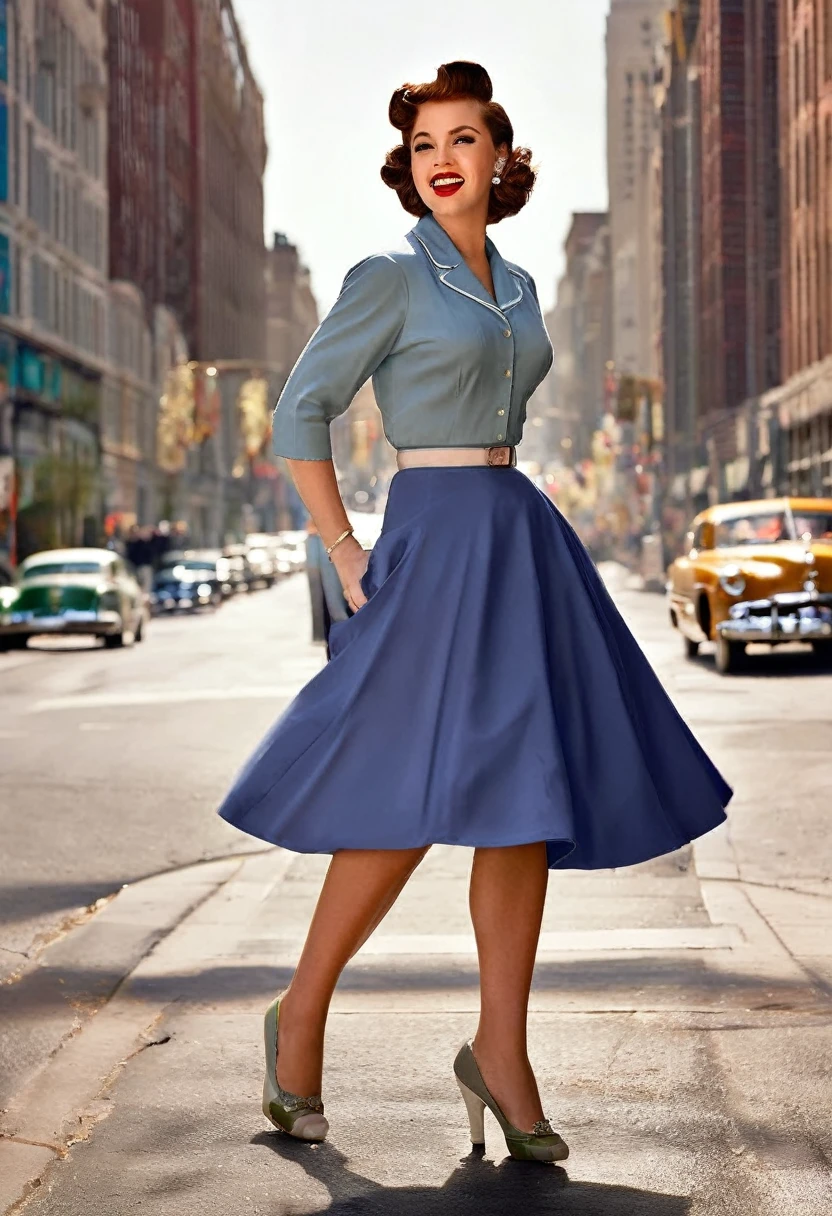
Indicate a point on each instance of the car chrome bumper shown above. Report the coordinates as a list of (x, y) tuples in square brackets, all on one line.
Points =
[(801, 616), (81, 623)]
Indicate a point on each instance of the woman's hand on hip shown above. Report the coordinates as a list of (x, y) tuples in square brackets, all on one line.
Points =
[(351, 561)]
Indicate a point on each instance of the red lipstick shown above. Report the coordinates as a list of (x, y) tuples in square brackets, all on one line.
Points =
[(446, 184)]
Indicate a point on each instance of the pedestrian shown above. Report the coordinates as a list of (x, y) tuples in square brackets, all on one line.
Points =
[(160, 543), (485, 691)]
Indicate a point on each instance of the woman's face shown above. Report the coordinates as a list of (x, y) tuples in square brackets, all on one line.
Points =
[(453, 157)]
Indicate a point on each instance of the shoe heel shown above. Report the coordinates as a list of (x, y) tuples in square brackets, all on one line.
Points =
[(476, 1113)]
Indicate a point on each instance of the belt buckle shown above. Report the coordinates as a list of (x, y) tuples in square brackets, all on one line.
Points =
[(499, 455)]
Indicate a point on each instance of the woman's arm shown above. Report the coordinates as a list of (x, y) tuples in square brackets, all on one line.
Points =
[(318, 489), (356, 335)]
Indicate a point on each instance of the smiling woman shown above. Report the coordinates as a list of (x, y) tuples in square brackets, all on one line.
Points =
[(469, 145), (484, 691)]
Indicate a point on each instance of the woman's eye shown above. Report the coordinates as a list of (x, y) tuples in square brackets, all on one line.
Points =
[(464, 139), (421, 147)]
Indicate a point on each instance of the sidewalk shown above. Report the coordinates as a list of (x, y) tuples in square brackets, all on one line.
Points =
[(679, 1047)]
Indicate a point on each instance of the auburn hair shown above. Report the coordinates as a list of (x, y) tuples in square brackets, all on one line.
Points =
[(456, 80)]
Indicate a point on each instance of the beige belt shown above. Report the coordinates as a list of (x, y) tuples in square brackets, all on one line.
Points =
[(411, 458)]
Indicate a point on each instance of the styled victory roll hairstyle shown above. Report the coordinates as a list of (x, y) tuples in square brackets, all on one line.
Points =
[(454, 81)]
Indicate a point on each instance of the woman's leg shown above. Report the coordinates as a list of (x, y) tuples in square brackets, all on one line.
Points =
[(360, 888), (508, 890)]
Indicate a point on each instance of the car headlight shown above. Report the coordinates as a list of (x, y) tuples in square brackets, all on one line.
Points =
[(203, 589), (108, 601), (732, 581)]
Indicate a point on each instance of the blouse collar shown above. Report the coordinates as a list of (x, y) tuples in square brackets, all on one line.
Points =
[(454, 272)]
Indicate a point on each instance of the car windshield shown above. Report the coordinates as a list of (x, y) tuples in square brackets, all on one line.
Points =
[(185, 570), (68, 567), (813, 525), (751, 530)]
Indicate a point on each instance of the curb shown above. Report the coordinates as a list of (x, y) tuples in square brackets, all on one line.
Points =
[(97, 1032)]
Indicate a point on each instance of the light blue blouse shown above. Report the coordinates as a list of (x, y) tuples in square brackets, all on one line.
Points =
[(450, 366)]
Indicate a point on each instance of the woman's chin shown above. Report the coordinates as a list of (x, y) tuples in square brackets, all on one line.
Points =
[(453, 207)]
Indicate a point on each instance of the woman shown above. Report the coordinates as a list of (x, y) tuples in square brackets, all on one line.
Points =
[(485, 691)]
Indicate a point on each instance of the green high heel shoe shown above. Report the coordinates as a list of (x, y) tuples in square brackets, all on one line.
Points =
[(541, 1144), (300, 1117)]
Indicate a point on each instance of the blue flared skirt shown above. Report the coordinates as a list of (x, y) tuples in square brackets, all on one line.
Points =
[(488, 693)]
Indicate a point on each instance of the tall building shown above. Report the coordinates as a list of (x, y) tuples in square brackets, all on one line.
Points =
[(723, 322), (721, 238), (581, 334), (634, 30), (186, 228), (154, 149), (231, 322), (681, 210), (291, 309), (53, 268), (798, 414)]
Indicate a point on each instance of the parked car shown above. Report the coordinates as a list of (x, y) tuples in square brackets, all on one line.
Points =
[(755, 572), (75, 591), (212, 558), (290, 551), (188, 583), (241, 573), (260, 551)]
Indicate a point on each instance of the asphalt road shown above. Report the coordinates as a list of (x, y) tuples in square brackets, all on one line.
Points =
[(113, 761), (681, 1010)]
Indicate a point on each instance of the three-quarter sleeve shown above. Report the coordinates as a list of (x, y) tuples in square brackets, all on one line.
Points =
[(352, 340)]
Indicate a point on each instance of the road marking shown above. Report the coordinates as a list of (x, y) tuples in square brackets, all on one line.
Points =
[(584, 941), (168, 696)]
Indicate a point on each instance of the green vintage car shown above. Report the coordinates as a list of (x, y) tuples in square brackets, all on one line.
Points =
[(74, 591)]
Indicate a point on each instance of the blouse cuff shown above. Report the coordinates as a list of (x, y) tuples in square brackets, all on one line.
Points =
[(310, 442)]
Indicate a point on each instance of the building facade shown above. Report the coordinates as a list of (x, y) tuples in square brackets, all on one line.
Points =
[(53, 269), (581, 333), (232, 158), (722, 237), (634, 31), (291, 308), (679, 111), (796, 418), (154, 149)]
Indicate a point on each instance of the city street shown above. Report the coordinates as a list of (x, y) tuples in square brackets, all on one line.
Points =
[(682, 1012)]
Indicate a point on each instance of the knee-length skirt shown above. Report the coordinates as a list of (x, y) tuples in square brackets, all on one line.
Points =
[(487, 694)]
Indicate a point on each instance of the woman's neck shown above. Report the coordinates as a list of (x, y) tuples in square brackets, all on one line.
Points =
[(468, 235)]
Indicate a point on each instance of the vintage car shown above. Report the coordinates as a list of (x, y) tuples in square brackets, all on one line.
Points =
[(755, 572), (189, 582), (74, 591)]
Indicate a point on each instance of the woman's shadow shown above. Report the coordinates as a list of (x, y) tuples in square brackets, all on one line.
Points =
[(478, 1187)]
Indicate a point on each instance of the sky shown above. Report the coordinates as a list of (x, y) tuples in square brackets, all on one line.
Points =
[(327, 69)]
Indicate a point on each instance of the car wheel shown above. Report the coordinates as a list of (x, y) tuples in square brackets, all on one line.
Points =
[(691, 648), (823, 653), (13, 643), (729, 655), (114, 641)]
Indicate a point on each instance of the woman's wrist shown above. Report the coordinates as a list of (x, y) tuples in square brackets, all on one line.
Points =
[(339, 540), (346, 550)]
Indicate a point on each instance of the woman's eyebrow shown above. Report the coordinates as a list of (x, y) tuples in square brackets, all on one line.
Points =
[(453, 131)]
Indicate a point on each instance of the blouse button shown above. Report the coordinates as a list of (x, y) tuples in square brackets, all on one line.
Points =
[(506, 333), (500, 412), (500, 436), (507, 373)]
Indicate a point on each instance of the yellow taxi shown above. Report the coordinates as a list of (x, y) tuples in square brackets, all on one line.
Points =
[(755, 572)]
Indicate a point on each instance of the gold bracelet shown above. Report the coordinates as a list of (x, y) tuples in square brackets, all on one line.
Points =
[(343, 536)]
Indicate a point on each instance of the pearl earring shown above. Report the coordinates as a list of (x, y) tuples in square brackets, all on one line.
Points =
[(495, 181), (498, 168)]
